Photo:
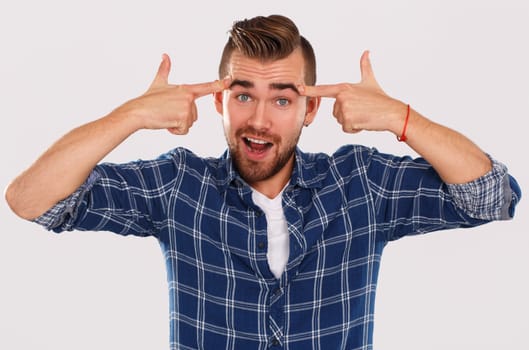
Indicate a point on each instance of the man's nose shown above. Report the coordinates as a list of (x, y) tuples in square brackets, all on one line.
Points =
[(259, 118)]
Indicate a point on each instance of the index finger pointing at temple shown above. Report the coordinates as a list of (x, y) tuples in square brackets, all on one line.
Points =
[(330, 90), (203, 89)]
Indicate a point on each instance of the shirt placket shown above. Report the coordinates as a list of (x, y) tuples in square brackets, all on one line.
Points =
[(276, 316), (258, 247), (278, 296)]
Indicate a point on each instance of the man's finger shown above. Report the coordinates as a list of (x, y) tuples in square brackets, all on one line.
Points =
[(368, 76), (203, 89), (162, 76), (330, 90)]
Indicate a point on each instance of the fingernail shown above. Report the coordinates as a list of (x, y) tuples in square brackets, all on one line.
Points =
[(220, 84), (301, 88), (226, 81)]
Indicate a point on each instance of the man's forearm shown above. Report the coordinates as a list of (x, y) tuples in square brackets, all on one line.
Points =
[(66, 164), (455, 158)]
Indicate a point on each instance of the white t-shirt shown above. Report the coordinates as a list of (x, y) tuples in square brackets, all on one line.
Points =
[(277, 232)]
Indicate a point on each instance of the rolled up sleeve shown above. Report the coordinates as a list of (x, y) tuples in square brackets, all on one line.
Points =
[(62, 216), (492, 196)]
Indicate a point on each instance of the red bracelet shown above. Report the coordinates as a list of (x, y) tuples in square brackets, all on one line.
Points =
[(402, 136)]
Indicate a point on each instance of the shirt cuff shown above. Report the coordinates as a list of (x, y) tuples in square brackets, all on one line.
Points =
[(61, 216), (488, 197)]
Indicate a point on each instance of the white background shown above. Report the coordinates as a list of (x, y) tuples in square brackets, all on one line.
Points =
[(63, 63)]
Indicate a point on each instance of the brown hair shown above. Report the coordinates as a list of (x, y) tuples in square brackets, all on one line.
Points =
[(268, 38)]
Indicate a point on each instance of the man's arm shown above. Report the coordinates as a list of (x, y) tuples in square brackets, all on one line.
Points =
[(365, 106), (67, 163)]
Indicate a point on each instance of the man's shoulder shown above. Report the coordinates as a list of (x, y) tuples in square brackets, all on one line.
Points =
[(186, 157), (341, 154), (315, 167), (175, 160)]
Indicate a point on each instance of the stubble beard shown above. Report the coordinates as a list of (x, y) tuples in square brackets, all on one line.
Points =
[(255, 171)]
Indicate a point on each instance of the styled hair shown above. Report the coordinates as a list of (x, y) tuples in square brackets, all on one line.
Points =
[(268, 39)]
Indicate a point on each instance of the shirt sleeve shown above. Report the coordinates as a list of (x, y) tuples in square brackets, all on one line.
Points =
[(122, 198), (61, 217), (490, 197), (410, 198)]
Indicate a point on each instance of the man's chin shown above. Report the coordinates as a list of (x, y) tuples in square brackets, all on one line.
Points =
[(252, 171), (256, 171)]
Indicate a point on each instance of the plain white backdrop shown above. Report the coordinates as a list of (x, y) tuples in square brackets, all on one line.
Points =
[(64, 63)]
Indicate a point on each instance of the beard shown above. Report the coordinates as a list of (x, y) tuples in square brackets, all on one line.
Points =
[(254, 171)]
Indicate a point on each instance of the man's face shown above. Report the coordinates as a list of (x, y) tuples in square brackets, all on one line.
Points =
[(263, 114)]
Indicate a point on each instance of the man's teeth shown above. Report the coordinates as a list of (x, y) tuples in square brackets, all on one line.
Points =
[(261, 142)]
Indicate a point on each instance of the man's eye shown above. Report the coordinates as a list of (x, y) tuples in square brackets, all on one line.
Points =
[(283, 102), (243, 98)]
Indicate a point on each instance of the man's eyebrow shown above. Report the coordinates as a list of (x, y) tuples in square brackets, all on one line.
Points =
[(283, 86), (243, 83), (275, 86)]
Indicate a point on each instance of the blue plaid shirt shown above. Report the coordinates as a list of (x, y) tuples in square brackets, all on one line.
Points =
[(341, 211)]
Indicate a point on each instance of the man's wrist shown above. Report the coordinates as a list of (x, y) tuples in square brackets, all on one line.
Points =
[(399, 118), (128, 117)]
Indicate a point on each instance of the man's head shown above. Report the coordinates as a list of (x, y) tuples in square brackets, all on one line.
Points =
[(268, 39), (263, 112)]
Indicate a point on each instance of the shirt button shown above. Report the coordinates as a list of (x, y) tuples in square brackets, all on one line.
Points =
[(275, 342), (261, 245)]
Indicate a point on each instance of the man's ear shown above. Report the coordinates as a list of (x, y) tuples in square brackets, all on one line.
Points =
[(219, 97), (313, 104)]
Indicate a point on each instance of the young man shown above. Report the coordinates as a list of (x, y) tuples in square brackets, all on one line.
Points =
[(267, 246)]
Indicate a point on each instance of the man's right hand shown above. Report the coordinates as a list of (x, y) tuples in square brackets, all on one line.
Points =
[(167, 106), (72, 157)]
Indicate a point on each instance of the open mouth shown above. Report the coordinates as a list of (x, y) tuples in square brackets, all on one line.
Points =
[(256, 145)]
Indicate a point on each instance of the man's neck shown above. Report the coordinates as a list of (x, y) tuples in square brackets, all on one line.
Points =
[(272, 186)]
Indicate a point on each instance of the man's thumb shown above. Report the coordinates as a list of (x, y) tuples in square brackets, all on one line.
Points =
[(366, 70), (162, 76)]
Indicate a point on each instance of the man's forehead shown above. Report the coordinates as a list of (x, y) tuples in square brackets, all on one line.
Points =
[(285, 70)]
